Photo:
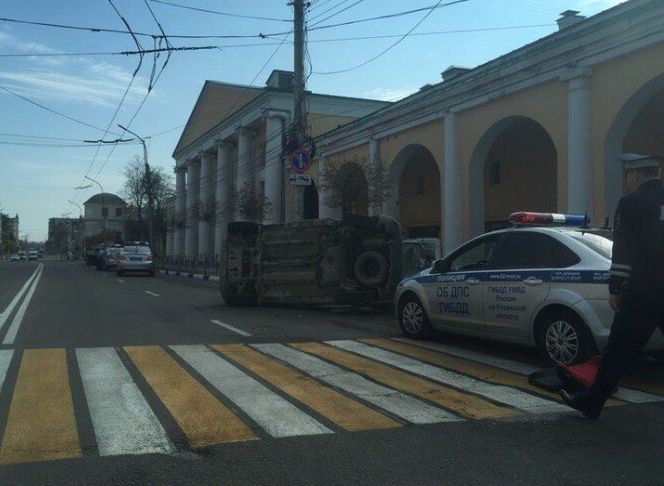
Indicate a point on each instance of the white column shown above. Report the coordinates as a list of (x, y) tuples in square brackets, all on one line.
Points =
[(206, 205), (246, 165), (224, 197), (274, 167), (451, 185), (180, 210), (579, 152), (191, 226), (374, 189)]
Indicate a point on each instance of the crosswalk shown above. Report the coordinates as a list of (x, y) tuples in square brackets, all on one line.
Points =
[(85, 402)]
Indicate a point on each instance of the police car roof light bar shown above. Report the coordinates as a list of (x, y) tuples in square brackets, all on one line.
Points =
[(522, 218)]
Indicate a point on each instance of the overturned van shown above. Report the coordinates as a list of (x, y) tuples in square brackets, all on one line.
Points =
[(315, 262)]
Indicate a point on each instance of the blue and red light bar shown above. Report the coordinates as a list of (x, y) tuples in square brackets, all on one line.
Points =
[(550, 219)]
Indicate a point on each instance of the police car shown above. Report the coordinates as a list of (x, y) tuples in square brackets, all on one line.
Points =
[(541, 283)]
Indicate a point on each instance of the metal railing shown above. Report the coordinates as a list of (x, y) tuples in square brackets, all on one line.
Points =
[(209, 265)]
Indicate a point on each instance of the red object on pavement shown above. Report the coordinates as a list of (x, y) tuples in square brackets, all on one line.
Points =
[(584, 373)]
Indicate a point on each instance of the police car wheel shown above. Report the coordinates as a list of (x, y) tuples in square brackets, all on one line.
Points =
[(564, 339), (413, 319)]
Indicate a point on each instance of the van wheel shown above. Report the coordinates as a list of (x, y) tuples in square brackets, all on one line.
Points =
[(563, 338), (413, 319), (370, 269)]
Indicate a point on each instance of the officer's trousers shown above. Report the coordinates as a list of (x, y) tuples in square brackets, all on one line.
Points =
[(636, 320)]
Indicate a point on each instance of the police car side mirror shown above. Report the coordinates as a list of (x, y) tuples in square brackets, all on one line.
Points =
[(438, 266)]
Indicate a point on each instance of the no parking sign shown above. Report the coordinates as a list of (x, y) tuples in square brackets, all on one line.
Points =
[(300, 159)]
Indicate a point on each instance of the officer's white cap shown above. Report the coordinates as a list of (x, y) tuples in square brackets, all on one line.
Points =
[(637, 161)]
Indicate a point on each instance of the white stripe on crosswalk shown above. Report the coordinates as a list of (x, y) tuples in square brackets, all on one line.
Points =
[(276, 415), (5, 359), (123, 421), (502, 394), (623, 393), (404, 406)]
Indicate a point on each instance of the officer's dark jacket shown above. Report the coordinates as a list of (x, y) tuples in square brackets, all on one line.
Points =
[(638, 241)]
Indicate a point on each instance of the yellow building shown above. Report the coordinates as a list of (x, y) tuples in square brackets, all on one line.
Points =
[(538, 129), (232, 147)]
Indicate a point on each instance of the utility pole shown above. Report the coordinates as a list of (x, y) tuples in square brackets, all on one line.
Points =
[(103, 216), (298, 66)]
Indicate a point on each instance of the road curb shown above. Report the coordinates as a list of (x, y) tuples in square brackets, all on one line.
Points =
[(199, 276)]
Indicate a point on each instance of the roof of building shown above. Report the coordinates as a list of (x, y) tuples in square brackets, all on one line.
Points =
[(106, 198), (493, 69)]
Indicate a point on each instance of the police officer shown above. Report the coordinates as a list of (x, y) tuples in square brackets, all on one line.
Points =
[(636, 282)]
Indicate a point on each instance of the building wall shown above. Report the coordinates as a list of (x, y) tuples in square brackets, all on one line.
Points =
[(420, 209), (613, 84), (545, 104)]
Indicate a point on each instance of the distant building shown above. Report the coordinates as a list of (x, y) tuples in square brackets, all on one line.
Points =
[(105, 216), (65, 237), (9, 235)]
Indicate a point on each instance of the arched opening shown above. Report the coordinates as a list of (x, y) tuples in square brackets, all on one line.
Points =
[(351, 184), (514, 168), (414, 193), (310, 202), (638, 128)]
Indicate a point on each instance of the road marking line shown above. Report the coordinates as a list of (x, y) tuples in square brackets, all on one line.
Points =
[(20, 313), (404, 406), (624, 394), (449, 398), (202, 418), (508, 396), (41, 424), (10, 308), (121, 281), (151, 293), (273, 413), (230, 328), (122, 420), (347, 413)]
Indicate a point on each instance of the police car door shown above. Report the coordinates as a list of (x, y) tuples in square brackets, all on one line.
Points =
[(456, 296), (521, 281)]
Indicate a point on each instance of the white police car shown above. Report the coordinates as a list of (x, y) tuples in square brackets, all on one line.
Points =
[(542, 283)]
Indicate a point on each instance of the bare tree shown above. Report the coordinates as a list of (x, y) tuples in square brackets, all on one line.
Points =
[(353, 185), (134, 188), (250, 204)]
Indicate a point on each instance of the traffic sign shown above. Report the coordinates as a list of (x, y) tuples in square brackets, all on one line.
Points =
[(300, 159), (300, 179)]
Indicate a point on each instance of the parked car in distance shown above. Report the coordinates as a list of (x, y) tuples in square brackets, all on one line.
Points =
[(136, 258), (111, 258), (14, 258), (22, 255), (33, 255)]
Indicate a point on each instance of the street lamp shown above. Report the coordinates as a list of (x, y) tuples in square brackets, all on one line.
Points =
[(80, 211), (148, 177), (103, 216)]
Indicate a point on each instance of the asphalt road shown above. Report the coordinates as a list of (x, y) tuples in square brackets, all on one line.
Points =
[(136, 380)]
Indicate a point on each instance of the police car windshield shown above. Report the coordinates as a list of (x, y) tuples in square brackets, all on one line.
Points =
[(597, 243)]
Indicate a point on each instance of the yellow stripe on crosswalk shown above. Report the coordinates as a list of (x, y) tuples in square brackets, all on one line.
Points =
[(340, 409), (203, 419), (41, 424), (454, 400), (645, 383), (471, 368)]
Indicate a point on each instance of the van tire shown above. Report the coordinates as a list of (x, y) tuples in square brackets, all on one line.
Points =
[(370, 269)]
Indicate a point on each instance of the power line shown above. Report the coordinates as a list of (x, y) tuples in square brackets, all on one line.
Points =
[(309, 41), (55, 112), (336, 13), (394, 44), (430, 9), (217, 12)]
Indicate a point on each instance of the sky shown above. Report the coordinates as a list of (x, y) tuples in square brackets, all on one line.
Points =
[(43, 157)]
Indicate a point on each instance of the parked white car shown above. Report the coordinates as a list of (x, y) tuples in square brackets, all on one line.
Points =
[(539, 285)]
